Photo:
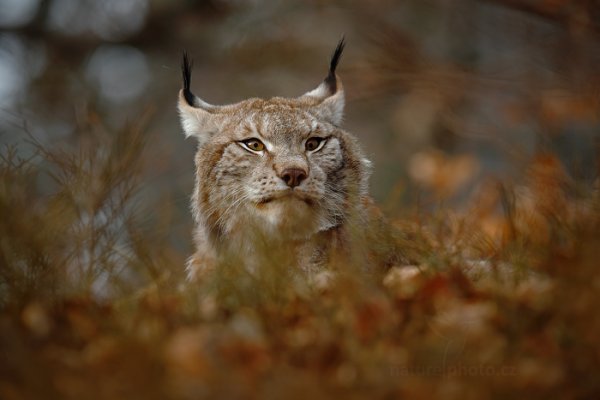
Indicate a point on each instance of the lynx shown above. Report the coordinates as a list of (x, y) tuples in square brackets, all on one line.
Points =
[(279, 171)]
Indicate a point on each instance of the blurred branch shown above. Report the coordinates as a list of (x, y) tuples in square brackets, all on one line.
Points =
[(578, 13), (162, 27)]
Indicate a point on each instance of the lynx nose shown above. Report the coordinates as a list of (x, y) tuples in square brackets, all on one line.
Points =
[(293, 176)]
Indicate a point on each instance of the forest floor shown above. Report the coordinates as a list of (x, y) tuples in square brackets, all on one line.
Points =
[(502, 304)]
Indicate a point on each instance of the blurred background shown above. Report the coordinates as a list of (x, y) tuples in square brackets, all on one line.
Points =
[(444, 95), (482, 120)]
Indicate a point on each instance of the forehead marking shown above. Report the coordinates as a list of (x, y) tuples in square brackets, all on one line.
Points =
[(256, 133)]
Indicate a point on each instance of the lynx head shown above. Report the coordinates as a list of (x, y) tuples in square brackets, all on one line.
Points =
[(282, 165)]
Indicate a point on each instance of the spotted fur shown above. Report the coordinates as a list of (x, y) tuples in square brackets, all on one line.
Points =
[(240, 194)]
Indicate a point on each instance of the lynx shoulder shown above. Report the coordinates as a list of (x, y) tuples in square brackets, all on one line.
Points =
[(275, 173)]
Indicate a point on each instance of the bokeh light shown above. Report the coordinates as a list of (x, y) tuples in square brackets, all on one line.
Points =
[(14, 13), (110, 20), (12, 78), (120, 73)]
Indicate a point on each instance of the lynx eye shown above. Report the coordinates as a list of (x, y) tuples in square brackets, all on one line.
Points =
[(253, 145), (314, 143)]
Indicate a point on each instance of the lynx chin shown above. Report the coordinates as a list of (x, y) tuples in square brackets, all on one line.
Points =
[(275, 173)]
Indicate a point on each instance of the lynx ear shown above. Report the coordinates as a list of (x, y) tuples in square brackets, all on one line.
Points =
[(198, 118), (327, 100)]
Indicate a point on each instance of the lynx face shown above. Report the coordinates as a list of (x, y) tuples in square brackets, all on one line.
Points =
[(281, 167)]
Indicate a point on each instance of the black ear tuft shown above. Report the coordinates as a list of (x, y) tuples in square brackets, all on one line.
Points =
[(331, 81), (186, 72)]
